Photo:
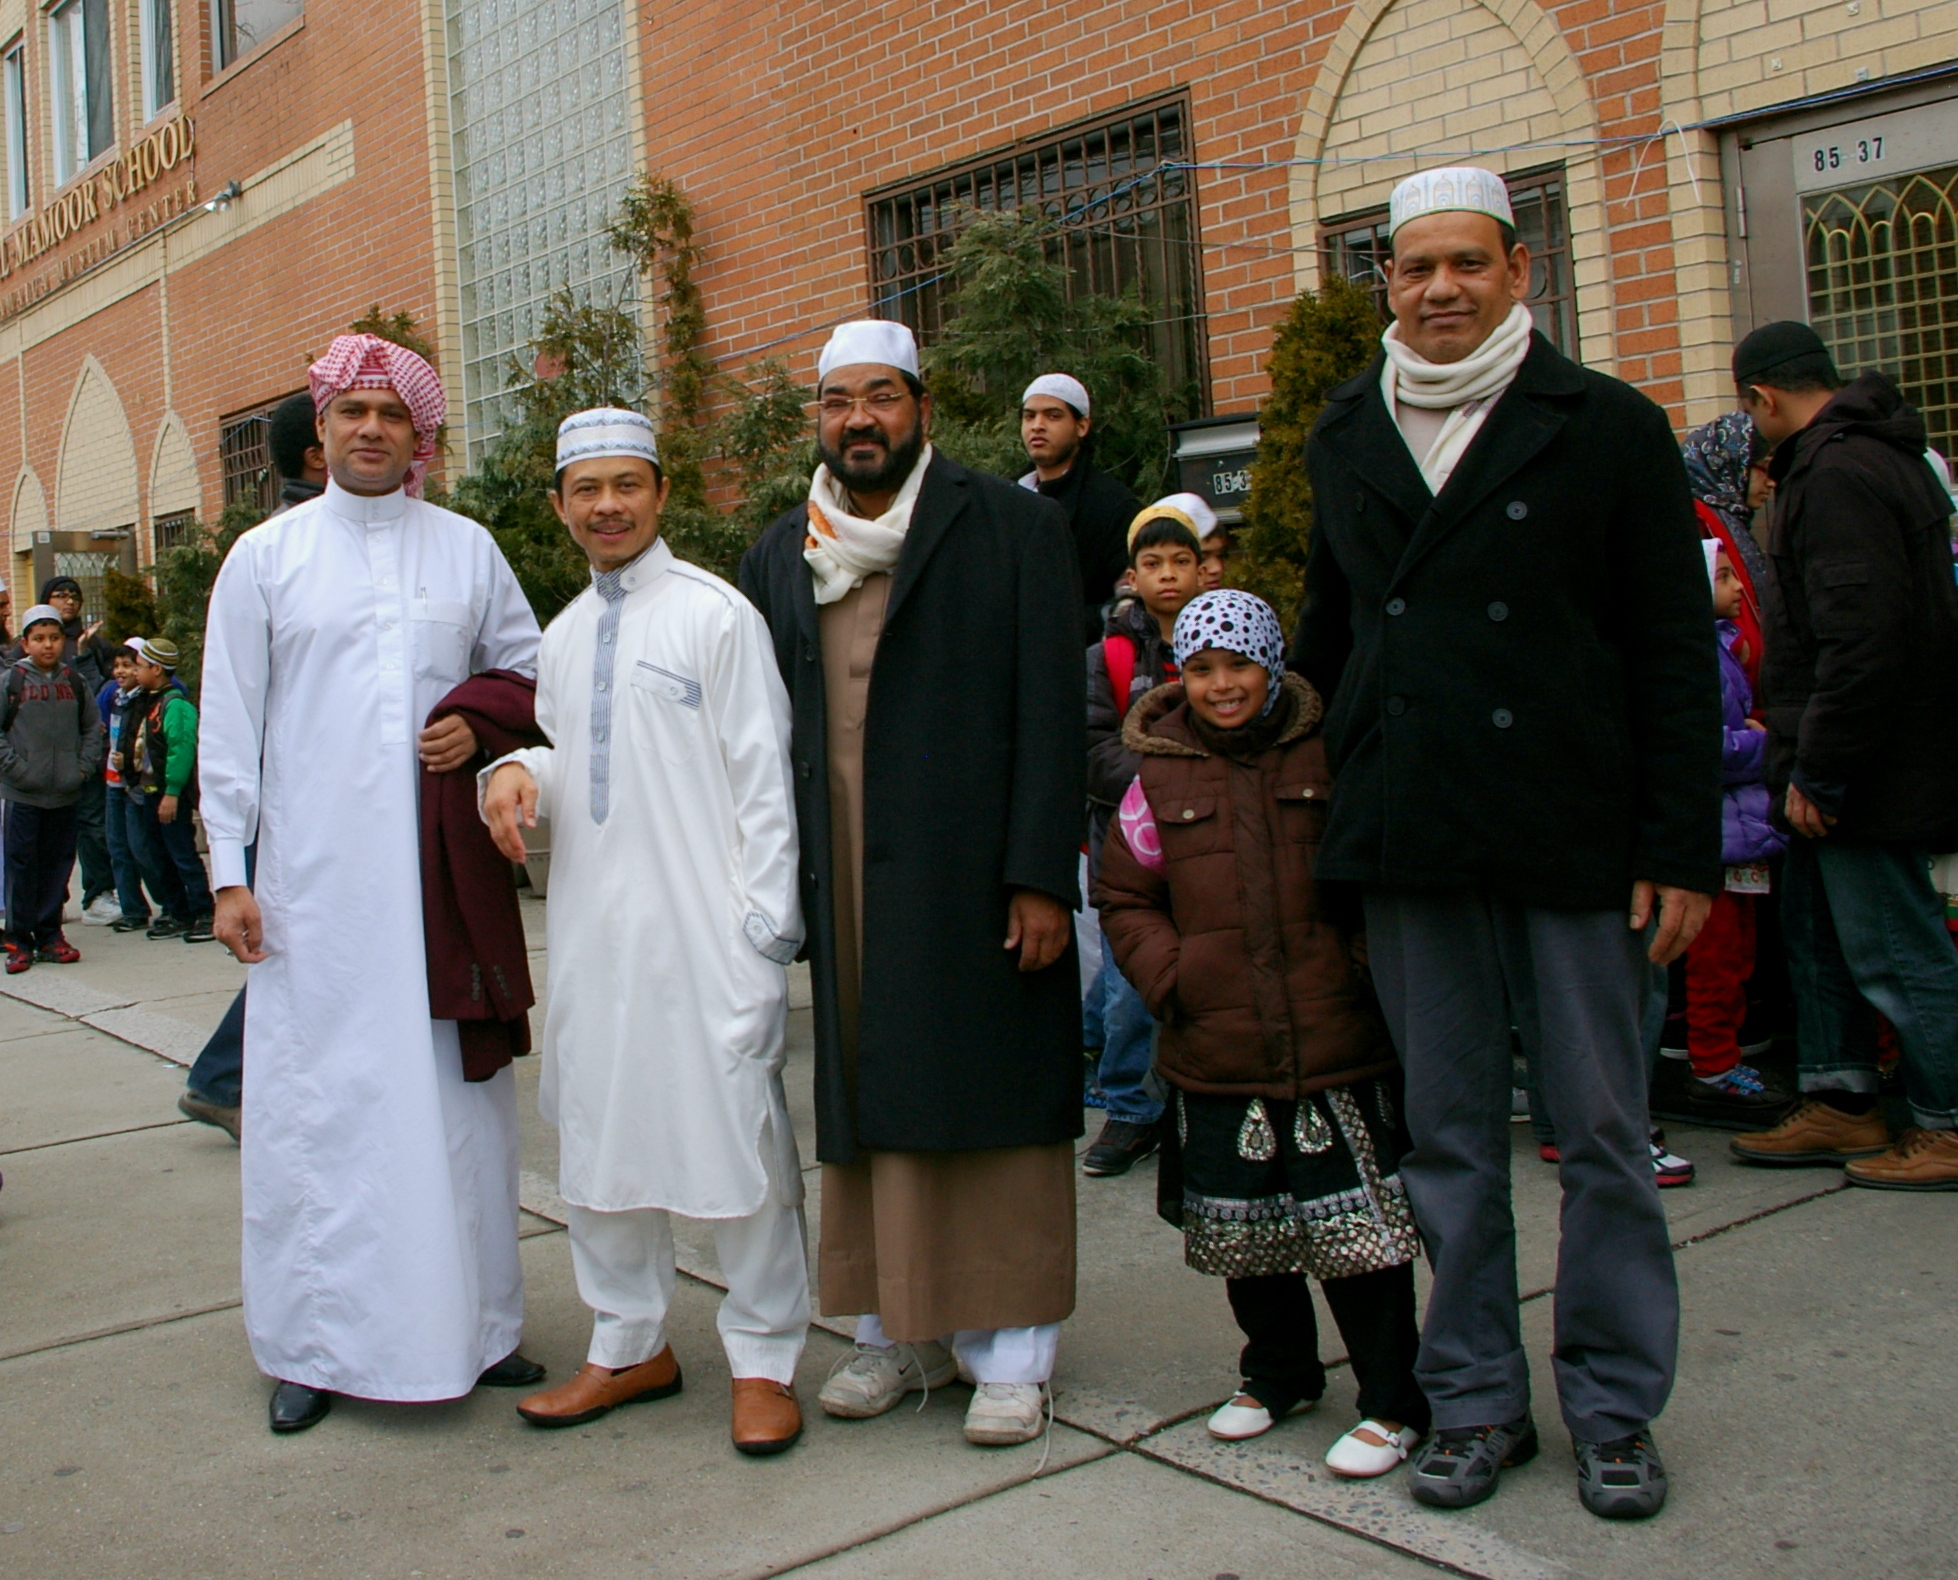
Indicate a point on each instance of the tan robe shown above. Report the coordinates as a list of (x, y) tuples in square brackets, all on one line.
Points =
[(931, 1242)]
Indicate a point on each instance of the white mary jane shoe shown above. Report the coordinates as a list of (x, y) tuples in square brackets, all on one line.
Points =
[(1234, 1422), (1354, 1456)]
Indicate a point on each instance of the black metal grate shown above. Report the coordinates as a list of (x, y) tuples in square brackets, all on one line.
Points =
[(1132, 226), (166, 532), (1357, 247), (245, 457)]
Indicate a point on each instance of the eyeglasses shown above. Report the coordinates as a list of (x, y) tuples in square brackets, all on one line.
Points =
[(877, 405)]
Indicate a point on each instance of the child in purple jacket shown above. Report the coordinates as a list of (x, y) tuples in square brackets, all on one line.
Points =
[(1724, 1089)]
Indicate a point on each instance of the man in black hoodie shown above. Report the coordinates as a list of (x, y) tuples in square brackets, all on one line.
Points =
[(1054, 427), (1860, 684)]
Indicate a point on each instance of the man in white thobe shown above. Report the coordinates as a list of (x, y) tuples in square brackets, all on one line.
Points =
[(380, 1189), (674, 910)]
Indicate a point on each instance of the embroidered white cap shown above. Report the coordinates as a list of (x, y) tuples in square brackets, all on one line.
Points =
[(40, 612), (1450, 189), (1069, 391), (606, 430), (869, 340)]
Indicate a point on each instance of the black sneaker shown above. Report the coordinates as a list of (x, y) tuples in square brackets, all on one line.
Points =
[(129, 924), (199, 931), (1120, 1146), (1736, 1099), (1458, 1466), (1621, 1480), (167, 927)]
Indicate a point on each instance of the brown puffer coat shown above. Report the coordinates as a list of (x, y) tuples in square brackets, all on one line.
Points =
[(1258, 993)]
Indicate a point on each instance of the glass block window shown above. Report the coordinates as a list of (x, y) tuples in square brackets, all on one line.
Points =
[(543, 154), (167, 532), (1883, 286), (245, 459), (1130, 226), (1357, 247)]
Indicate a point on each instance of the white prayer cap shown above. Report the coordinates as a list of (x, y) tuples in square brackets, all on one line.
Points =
[(1193, 510), (139, 645), (1450, 189), (40, 611), (869, 340), (1071, 392), (605, 430)]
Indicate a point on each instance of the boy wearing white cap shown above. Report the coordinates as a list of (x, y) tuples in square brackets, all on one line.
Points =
[(926, 621), (674, 912), (1506, 609), (1056, 421)]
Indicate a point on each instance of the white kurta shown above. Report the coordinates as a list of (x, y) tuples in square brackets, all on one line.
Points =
[(670, 922), (380, 1245)]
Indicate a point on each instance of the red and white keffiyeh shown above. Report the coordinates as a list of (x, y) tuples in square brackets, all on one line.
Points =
[(367, 362)]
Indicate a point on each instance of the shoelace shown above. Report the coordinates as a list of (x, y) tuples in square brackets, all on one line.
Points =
[(1005, 1390)]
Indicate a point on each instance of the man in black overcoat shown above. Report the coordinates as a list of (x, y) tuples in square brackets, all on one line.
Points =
[(1056, 426), (926, 620), (1507, 607), (1859, 682)]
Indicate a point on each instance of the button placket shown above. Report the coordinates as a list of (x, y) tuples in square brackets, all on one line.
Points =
[(397, 677)]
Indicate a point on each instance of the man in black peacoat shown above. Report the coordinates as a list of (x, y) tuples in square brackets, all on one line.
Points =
[(1524, 731), (974, 753)]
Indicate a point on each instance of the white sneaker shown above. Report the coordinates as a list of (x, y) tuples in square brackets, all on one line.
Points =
[(1005, 1413), (1244, 1417), (1354, 1456), (106, 909), (873, 1378)]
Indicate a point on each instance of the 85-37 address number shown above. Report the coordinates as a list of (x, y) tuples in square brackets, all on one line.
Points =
[(1864, 151)]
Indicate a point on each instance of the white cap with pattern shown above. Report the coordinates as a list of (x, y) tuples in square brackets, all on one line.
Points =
[(1450, 189), (606, 430)]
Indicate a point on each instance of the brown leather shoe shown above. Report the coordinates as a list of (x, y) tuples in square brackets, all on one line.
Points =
[(1815, 1133), (1921, 1160), (766, 1417), (598, 1389)]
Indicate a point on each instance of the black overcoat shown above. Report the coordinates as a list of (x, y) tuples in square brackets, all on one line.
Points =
[(974, 750), (1522, 672), (1099, 510), (1859, 680)]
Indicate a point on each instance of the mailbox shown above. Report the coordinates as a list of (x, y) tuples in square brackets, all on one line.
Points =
[(1213, 461)]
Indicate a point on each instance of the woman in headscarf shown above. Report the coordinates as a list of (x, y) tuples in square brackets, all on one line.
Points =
[(1726, 464)]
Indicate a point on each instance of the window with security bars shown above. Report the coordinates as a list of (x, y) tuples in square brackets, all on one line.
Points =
[(245, 459), (1357, 247), (1883, 286), (1131, 224), (168, 532)]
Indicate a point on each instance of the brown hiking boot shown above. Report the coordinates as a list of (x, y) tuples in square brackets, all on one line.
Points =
[(1815, 1133), (1921, 1160)]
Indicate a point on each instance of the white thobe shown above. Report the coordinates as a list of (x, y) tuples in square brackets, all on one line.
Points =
[(671, 921), (380, 1194)]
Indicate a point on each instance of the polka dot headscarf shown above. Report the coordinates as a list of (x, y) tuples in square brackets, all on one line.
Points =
[(1238, 622)]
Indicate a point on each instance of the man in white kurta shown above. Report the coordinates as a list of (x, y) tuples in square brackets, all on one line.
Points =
[(380, 1199), (673, 911)]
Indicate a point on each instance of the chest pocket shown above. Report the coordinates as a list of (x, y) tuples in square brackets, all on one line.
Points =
[(441, 633), (1302, 810), (671, 703), (1191, 826)]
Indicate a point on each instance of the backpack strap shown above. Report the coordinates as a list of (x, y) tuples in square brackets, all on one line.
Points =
[(1118, 657)]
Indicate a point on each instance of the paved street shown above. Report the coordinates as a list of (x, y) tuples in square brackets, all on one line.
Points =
[(1811, 1433)]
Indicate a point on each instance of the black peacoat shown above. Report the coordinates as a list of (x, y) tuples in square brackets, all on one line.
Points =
[(974, 749), (1522, 672)]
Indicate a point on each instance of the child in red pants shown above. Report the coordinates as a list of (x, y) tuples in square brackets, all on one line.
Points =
[(1724, 1090)]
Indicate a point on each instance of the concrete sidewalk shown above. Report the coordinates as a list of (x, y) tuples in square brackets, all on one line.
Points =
[(1809, 1434)]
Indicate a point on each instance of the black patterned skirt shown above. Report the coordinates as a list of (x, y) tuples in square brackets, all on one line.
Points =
[(1261, 1186)]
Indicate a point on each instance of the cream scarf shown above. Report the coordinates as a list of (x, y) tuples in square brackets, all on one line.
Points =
[(1465, 389), (842, 549)]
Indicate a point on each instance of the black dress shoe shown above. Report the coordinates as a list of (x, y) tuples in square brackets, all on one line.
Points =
[(513, 1371), (296, 1407)]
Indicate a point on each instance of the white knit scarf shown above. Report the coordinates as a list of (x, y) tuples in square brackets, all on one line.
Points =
[(1465, 389), (843, 549)]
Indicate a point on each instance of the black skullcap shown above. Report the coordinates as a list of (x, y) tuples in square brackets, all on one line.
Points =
[(1768, 347), (55, 584)]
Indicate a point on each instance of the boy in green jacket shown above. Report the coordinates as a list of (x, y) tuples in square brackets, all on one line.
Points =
[(159, 771)]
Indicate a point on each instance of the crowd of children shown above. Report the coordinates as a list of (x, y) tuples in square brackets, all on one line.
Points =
[(130, 743)]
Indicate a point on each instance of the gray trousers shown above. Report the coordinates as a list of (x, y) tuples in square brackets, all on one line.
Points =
[(1454, 968)]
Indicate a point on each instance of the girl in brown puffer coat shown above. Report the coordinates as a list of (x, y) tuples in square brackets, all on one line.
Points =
[(1282, 1145)]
